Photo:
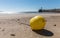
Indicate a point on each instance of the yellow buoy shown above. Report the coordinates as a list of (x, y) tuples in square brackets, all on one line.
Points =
[(37, 23)]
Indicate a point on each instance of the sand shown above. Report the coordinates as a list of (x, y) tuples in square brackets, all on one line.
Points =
[(17, 26)]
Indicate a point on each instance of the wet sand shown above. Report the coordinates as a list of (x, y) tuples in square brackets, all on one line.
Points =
[(17, 26)]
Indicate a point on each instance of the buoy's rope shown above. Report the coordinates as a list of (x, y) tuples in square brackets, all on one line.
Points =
[(25, 24), (16, 20)]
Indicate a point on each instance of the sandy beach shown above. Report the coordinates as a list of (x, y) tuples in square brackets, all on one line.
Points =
[(17, 26)]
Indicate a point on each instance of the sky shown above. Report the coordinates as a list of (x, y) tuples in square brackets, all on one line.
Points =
[(28, 5)]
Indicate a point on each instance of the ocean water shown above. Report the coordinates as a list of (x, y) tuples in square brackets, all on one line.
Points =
[(28, 13)]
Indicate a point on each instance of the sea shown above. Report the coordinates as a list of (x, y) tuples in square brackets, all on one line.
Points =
[(28, 13)]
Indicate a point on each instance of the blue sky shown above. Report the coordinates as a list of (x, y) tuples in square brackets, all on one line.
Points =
[(28, 5)]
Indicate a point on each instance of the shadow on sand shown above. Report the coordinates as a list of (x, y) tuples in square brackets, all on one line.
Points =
[(44, 32)]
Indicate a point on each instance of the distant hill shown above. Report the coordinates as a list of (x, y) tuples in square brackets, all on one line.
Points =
[(49, 10)]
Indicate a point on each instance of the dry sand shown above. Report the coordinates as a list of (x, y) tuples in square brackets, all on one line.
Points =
[(17, 26)]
